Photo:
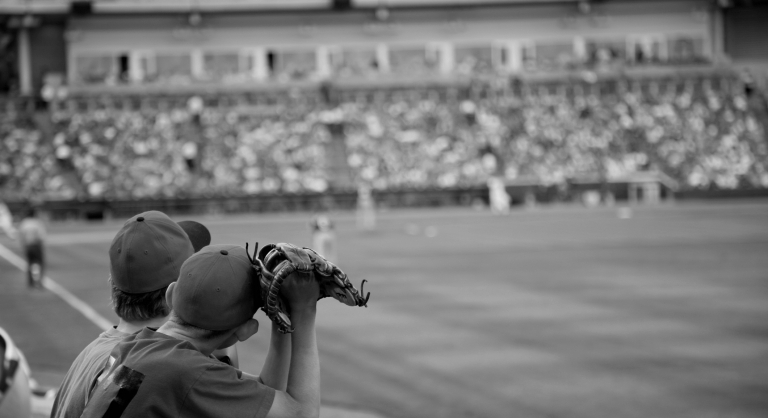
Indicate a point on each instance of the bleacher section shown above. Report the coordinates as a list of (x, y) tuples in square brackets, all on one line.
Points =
[(701, 130)]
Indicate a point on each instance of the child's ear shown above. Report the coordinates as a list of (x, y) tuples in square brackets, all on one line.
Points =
[(245, 331), (169, 295)]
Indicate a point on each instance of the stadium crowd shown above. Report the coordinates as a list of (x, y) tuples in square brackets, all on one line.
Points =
[(28, 165), (701, 139), (699, 135)]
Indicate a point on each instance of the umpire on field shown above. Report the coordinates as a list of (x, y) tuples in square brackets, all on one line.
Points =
[(169, 371), (145, 257)]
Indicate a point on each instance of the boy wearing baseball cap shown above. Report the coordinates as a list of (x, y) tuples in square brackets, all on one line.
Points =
[(145, 257), (169, 372)]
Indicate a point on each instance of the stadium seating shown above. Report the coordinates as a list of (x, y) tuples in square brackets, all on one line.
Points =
[(700, 131)]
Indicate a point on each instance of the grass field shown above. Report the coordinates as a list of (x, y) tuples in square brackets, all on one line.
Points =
[(560, 312)]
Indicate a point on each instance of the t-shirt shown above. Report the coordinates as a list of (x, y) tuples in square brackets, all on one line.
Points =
[(70, 400), (150, 374), (31, 231)]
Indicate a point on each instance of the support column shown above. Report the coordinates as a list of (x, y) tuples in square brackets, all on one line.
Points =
[(260, 70), (323, 61), (198, 65), (25, 63), (382, 57), (135, 69), (717, 35), (580, 48), (514, 56), (447, 57)]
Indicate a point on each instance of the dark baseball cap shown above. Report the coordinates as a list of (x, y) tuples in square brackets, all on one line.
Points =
[(217, 288), (147, 253), (197, 233)]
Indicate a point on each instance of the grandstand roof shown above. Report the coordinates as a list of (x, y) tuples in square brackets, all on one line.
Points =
[(161, 6)]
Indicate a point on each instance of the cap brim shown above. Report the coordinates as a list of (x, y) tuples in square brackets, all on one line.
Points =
[(198, 234)]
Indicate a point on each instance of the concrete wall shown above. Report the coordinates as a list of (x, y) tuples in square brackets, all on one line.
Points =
[(746, 33), (556, 21), (511, 26)]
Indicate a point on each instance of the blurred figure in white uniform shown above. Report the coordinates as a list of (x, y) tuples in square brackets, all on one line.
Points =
[(31, 236)]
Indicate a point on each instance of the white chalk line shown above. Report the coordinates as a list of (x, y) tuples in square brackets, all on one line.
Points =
[(59, 291)]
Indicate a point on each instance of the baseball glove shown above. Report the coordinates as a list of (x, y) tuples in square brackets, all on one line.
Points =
[(276, 262)]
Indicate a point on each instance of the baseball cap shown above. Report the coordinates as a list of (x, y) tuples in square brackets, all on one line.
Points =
[(218, 289), (197, 233), (147, 253)]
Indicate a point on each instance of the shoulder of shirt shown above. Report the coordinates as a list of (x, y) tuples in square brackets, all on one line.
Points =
[(189, 362), (104, 337), (100, 347), (185, 349), (210, 367)]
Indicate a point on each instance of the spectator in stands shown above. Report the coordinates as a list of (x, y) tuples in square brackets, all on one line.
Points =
[(138, 298), (175, 358)]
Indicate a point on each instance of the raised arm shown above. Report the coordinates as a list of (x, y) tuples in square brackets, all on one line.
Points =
[(302, 395), (275, 371)]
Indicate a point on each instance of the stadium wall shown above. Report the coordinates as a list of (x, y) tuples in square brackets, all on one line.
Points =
[(346, 201), (746, 40), (511, 28), (746, 33), (552, 21)]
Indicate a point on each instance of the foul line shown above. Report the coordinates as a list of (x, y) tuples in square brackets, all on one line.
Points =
[(60, 291)]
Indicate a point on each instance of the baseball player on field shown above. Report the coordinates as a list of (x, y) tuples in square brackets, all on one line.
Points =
[(324, 237), (31, 236)]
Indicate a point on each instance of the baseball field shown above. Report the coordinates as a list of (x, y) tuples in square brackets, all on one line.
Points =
[(555, 312)]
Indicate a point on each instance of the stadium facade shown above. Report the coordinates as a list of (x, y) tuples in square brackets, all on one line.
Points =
[(124, 43)]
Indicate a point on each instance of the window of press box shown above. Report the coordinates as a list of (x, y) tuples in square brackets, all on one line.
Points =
[(412, 59), (474, 59), (223, 66), (292, 64), (685, 49), (548, 55), (647, 50), (172, 67), (95, 69), (354, 61), (606, 51)]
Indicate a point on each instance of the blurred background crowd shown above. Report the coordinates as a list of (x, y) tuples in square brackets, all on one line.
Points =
[(204, 101), (702, 132)]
